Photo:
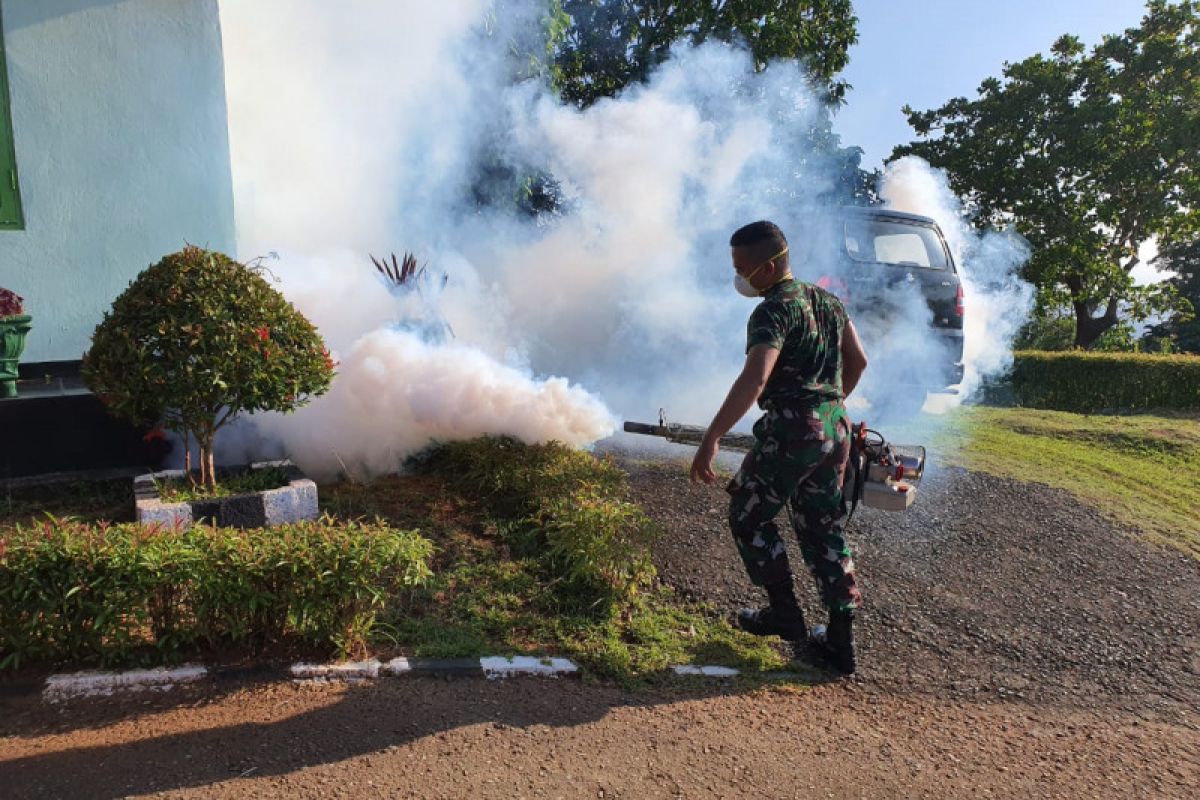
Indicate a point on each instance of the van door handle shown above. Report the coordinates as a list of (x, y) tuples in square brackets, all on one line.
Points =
[(947, 283)]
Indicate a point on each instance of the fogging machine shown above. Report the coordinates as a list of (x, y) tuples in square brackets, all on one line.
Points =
[(878, 474)]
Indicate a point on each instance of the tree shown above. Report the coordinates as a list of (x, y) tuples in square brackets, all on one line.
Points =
[(1182, 329), (197, 339), (605, 45), (1089, 155)]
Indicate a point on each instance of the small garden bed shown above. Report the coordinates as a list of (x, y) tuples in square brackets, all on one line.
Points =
[(487, 547), (259, 478), (267, 494)]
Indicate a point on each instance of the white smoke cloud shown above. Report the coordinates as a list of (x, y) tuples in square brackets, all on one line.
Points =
[(998, 301), (352, 130), (337, 110), (408, 392), (359, 128)]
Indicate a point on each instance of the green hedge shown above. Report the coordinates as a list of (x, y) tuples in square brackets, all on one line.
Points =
[(1089, 382), (115, 594)]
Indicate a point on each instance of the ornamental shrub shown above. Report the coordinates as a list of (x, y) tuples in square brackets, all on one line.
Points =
[(196, 340)]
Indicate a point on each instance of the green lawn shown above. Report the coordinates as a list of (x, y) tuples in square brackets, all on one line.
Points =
[(1141, 470)]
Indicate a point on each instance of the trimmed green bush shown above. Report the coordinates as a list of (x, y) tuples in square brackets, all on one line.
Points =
[(597, 541), (198, 339), (1088, 382), (114, 594), (564, 507)]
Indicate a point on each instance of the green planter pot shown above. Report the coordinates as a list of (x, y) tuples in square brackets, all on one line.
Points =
[(12, 344)]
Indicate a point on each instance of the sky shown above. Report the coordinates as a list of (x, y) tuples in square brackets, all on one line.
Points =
[(925, 53)]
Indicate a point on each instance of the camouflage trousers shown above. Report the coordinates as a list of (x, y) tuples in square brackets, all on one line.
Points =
[(799, 458)]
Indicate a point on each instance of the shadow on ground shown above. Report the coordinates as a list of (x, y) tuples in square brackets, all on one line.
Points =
[(202, 736)]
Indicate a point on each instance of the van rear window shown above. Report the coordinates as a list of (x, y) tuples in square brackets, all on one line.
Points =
[(880, 242)]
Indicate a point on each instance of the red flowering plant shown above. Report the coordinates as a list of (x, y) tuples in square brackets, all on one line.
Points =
[(198, 339), (14, 326), (11, 304)]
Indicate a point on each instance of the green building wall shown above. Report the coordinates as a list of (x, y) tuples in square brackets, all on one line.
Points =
[(122, 151)]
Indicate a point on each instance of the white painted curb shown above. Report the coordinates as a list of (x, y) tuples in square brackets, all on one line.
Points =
[(501, 667), (708, 672), (397, 666), (345, 671), (93, 684)]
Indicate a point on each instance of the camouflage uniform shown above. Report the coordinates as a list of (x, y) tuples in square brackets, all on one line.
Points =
[(801, 446)]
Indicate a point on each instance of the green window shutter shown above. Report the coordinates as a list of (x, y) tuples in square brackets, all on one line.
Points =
[(11, 217)]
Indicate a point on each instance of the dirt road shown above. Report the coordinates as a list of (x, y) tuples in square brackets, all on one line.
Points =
[(529, 738), (1014, 644)]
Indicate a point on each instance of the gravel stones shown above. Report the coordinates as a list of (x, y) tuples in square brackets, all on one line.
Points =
[(987, 587)]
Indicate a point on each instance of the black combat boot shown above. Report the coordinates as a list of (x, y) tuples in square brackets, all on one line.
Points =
[(782, 618), (835, 644)]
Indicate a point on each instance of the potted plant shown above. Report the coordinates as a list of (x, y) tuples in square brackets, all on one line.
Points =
[(195, 341), (14, 324)]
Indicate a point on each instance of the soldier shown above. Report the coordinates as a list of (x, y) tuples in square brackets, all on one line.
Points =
[(803, 357)]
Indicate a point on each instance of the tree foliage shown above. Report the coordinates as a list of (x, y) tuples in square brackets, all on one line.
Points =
[(1089, 154), (1182, 330), (605, 45), (197, 339)]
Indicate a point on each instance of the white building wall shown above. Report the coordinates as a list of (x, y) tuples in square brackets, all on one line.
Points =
[(122, 149)]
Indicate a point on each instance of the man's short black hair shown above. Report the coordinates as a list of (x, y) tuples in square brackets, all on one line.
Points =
[(764, 240), (761, 232)]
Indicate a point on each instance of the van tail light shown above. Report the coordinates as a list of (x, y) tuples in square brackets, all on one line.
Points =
[(958, 302), (835, 286)]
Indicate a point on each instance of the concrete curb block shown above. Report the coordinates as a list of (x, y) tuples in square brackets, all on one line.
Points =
[(396, 667), (58, 688), (501, 667), (708, 672), (344, 671), (100, 684)]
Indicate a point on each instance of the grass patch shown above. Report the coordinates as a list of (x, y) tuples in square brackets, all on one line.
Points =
[(540, 552), (1140, 470), (499, 606), (181, 490)]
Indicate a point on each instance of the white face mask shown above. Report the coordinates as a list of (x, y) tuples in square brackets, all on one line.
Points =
[(742, 282), (743, 286)]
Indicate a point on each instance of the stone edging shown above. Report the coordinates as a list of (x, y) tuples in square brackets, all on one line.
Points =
[(59, 688), (292, 503)]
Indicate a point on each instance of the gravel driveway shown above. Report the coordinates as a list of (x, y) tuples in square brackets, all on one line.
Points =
[(986, 587)]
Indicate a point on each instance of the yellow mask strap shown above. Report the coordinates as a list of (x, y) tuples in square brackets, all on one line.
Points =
[(768, 261)]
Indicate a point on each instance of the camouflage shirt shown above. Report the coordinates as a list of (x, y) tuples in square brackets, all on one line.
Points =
[(805, 324)]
